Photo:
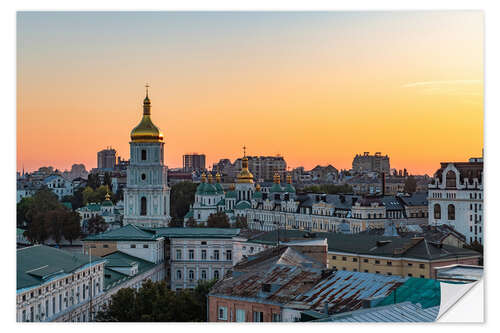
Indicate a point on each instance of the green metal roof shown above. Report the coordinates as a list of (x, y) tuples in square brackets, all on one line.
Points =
[(128, 232), (231, 194), (426, 292), (242, 205), (289, 188), (119, 259), (39, 263), (276, 188), (197, 232), (219, 188), (67, 205), (257, 194), (188, 214), (221, 202), (93, 207)]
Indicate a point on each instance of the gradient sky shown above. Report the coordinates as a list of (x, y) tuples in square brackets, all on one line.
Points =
[(315, 87)]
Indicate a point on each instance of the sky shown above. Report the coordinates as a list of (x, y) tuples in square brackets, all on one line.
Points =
[(314, 87)]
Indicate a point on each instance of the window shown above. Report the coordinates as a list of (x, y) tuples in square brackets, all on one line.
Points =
[(24, 316), (222, 313), (451, 179), (216, 274), (334, 257), (143, 206), (410, 264), (216, 254), (143, 176), (377, 272), (132, 246), (143, 154), (344, 258), (377, 262), (191, 254), (421, 266), (258, 317), (178, 254), (203, 254), (437, 211), (276, 317), (389, 263), (24, 298), (366, 271), (179, 274), (365, 260), (229, 255), (422, 276), (105, 246), (410, 275), (389, 273), (145, 246), (354, 259), (240, 315), (203, 274), (191, 274), (451, 212)]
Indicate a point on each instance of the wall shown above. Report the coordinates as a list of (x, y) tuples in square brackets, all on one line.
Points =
[(232, 305)]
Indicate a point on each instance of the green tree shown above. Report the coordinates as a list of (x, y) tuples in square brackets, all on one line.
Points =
[(71, 228), (93, 181), (218, 220), (154, 302), (410, 185), (107, 179), (22, 208), (182, 195), (191, 222), (241, 222), (96, 224)]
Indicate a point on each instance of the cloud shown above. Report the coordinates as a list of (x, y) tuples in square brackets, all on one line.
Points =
[(449, 87)]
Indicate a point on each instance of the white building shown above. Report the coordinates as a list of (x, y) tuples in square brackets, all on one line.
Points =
[(59, 185), (106, 209), (147, 195), (56, 285), (456, 198)]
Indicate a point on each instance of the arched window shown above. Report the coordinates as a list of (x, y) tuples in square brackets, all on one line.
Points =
[(179, 275), (143, 206), (191, 275), (451, 212), (143, 155), (437, 211), (451, 179), (216, 274)]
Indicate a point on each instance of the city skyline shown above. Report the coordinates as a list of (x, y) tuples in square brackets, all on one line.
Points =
[(316, 88)]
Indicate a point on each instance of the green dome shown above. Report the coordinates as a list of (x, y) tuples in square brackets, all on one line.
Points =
[(231, 194), (276, 188), (219, 188), (210, 189), (242, 205), (200, 189), (257, 195), (289, 188)]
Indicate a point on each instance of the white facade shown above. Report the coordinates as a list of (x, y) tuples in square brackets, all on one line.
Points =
[(151, 251), (63, 297), (59, 185), (457, 199), (193, 259), (147, 195)]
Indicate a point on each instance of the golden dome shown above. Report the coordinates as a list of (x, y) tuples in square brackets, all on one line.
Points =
[(203, 177), (289, 178), (210, 178), (245, 176), (257, 187), (217, 177), (276, 178), (146, 131)]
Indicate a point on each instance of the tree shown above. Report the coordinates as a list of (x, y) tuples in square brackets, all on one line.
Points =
[(218, 220), (191, 222), (76, 199), (96, 224), (97, 195), (93, 181), (71, 228), (329, 189), (155, 302), (410, 185), (22, 208), (182, 195), (241, 222), (107, 179)]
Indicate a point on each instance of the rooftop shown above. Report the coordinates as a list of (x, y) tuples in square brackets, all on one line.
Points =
[(39, 263)]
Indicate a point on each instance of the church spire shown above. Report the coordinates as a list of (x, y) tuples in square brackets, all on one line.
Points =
[(147, 102)]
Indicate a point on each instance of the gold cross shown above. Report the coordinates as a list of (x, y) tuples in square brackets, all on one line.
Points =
[(244, 151)]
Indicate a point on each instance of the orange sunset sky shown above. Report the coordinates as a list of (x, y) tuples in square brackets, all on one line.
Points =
[(315, 87)]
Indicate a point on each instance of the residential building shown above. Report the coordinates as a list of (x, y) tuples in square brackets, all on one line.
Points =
[(106, 159), (378, 254), (371, 163), (55, 285), (59, 185), (456, 198), (147, 195), (193, 162), (258, 286)]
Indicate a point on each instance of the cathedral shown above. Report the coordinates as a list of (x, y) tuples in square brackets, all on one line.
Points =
[(243, 196), (147, 195)]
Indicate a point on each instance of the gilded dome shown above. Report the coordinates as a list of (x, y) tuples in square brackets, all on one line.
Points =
[(146, 131), (245, 176)]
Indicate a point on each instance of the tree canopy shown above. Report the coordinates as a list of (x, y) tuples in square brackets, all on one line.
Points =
[(218, 220), (154, 302), (97, 195), (181, 196), (329, 189), (96, 224)]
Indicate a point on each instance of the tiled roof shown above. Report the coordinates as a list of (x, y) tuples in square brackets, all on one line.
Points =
[(37, 264)]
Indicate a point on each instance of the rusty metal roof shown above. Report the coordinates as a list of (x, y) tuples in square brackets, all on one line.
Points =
[(346, 291), (272, 279)]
